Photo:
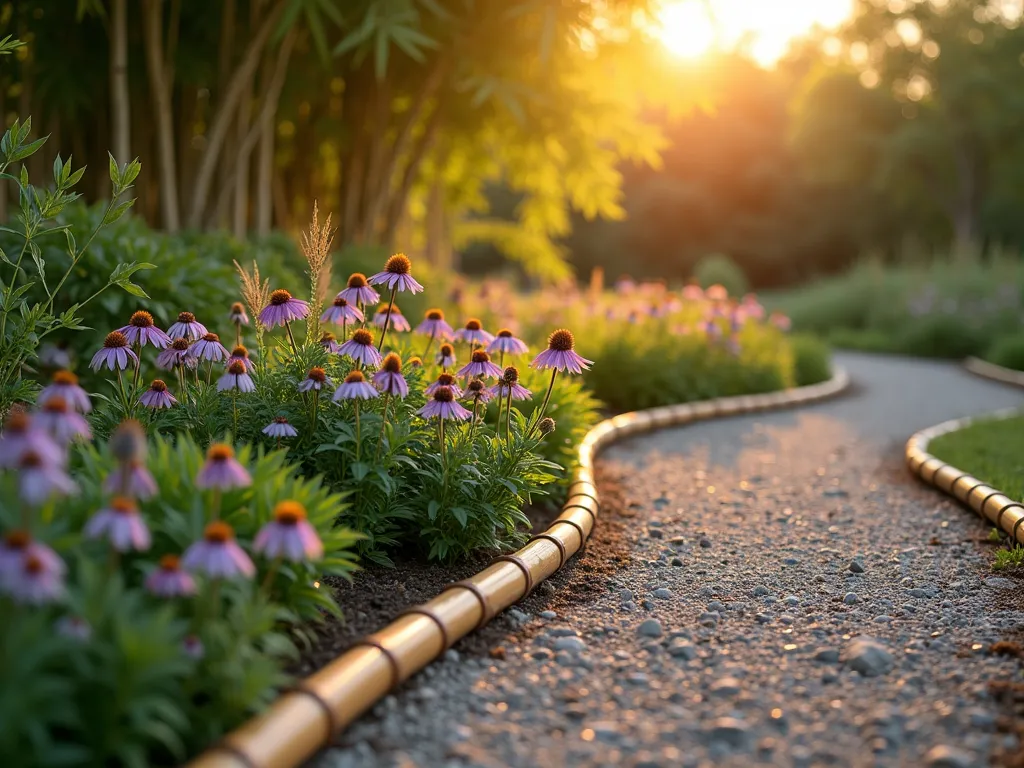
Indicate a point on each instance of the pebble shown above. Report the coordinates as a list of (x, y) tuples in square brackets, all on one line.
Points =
[(705, 542), (649, 628), (683, 649), (662, 593), (729, 731), (868, 656), (998, 582), (760, 590), (850, 598), (855, 566), (943, 756), (570, 644), (548, 615)]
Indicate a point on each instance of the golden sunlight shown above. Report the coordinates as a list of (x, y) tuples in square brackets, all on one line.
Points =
[(764, 29)]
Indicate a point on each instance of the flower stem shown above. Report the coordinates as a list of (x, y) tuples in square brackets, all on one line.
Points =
[(355, 404), (138, 369), (440, 440), (430, 343), (238, 334), (472, 425), (215, 506), (268, 580), (383, 422), (234, 409), (124, 397), (544, 405), (508, 420), (316, 402), (387, 320), (291, 339)]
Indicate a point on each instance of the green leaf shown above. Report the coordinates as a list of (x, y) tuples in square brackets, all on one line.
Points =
[(37, 257), (133, 289), (432, 508), (72, 245), (461, 515), (116, 213), (24, 151)]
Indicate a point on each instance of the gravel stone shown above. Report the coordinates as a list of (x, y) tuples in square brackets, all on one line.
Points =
[(868, 656), (650, 628), (943, 756), (855, 566)]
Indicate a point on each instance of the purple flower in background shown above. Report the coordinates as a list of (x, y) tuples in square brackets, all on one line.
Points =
[(218, 555), (115, 354), (435, 326), (238, 314), (21, 435), (342, 312), (717, 293), (780, 321), (141, 331), (193, 647), (476, 390), (236, 378), (625, 284), (176, 354), (442, 405), (279, 428), (397, 275), (73, 628), (65, 385), (222, 470), (561, 354), (398, 321), (37, 480), (355, 387), (283, 309), (315, 379), (389, 378), (446, 356), (480, 365), (18, 545), (36, 581), (330, 343), (752, 307), (289, 535), (693, 292), (241, 354), (209, 348), (54, 356), (169, 580), (444, 380), (507, 344), (358, 291), (61, 422), (157, 396), (187, 327), (131, 478), (360, 348), (120, 524), (509, 383), (473, 333)]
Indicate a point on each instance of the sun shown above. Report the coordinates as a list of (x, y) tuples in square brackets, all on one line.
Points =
[(763, 29)]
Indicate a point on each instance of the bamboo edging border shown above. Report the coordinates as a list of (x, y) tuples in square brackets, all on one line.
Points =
[(316, 709), (987, 370), (992, 504)]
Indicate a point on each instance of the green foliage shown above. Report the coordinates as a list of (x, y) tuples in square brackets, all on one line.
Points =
[(719, 269), (990, 449), (811, 360), (1007, 351), (128, 693), (1009, 558)]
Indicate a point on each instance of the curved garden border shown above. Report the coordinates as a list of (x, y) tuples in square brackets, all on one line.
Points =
[(992, 504), (308, 716), (988, 370)]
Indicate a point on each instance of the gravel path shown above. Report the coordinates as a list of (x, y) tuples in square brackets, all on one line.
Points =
[(768, 590)]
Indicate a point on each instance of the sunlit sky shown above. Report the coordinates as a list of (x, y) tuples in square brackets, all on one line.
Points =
[(765, 28)]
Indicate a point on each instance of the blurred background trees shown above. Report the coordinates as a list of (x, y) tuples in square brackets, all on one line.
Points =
[(556, 133)]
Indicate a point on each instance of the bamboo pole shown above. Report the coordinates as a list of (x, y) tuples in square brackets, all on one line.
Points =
[(303, 720)]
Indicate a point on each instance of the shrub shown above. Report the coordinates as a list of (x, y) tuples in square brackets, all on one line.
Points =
[(811, 363), (718, 269), (1007, 352)]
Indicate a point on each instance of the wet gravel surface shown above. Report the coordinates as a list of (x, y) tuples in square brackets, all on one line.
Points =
[(768, 590)]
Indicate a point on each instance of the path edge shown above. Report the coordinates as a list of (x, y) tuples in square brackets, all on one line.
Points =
[(990, 503), (993, 372), (318, 708)]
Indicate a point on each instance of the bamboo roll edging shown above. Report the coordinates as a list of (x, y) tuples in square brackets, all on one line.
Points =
[(307, 717), (991, 504)]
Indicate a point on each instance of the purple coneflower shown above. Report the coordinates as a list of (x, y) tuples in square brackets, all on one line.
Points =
[(444, 380), (780, 321), (330, 343), (238, 314), (16, 545), (415, 362), (193, 647), (279, 428), (218, 555), (176, 354), (38, 480), (187, 327), (360, 348), (693, 292), (169, 580), (283, 309), (473, 333), (241, 354), (289, 536), (209, 348), (315, 380), (73, 628), (236, 378), (446, 356), (54, 356), (65, 384), (398, 321), (478, 392), (157, 396), (131, 478), (506, 343), (61, 422), (752, 307), (222, 470), (561, 355), (625, 284), (480, 365), (389, 378), (397, 275), (141, 331), (435, 326), (355, 387), (35, 582), (121, 524), (115, 354), (341, 312), (442, 405), (509, 384), (358, 291), (717, 293), (21, 435)]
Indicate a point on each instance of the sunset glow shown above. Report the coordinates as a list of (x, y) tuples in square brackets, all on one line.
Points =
[(691, 28)]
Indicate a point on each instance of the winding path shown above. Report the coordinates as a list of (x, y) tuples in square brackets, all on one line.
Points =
[(711, 621)]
